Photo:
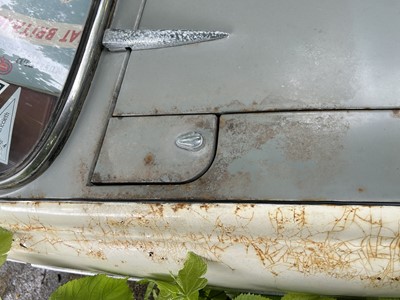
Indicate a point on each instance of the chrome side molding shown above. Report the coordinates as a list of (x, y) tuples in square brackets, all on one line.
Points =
[(122, 39)]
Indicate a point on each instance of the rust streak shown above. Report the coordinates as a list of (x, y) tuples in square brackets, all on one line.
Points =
[(149, 159), (179, 206), (347, 243)]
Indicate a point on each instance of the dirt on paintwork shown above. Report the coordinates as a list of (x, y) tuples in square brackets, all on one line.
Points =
[(149, 159), (318, 138), (234, 143), (253, 152), (396, 113)]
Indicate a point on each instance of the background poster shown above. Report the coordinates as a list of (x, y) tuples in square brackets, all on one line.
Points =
[(38, 41)]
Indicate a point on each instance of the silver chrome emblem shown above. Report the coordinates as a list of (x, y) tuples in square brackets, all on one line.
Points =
[(122, 39), (192, 141)]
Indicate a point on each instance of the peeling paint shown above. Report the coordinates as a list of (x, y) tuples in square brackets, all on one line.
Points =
[(356, 247)]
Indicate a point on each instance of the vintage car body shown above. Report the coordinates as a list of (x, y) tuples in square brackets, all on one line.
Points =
[(295, 186)]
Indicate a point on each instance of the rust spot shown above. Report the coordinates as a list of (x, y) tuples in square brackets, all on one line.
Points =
[(117, 223), (149, 159), (281, 237), (97, 254), (157, 209), (316, 138), (96, 176), (83, 170), (205, 206), (179, 206), (361, 190), (201, 124), (237, 132), (237, 209), (396, 113), (38, 196), (221, 122)]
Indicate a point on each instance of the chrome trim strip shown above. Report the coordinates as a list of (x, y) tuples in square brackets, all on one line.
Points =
[(122, 39), (70, 102)]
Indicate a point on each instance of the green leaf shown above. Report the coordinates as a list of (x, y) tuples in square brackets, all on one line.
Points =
[(211, 294), (94, 288), (299, 296), (232, 294), (190, 279), (187, 284), (167, 290), (5, 244), (250, 297), (149, 290)]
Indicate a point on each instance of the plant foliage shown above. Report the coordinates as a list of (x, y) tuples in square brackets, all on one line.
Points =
[(187, 284), (5, 244), (99, 287)]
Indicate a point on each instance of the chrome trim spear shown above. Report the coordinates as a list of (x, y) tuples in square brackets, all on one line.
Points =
[(122, 39)]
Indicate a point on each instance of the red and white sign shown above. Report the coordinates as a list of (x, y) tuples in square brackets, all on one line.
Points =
[(5, 66), (39, 31)]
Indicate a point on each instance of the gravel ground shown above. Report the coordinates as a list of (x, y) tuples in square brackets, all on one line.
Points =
[(24, 282)]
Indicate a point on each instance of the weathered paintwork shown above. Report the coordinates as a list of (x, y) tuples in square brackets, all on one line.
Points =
[(40, 41), (321, 155), (143, 150), (303, 156), (269, 158), (280, 55), (328, 249)]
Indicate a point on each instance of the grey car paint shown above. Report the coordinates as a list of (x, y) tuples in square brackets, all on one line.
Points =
[(317, 158), (154, 140), (280, 55), (334, 155)]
